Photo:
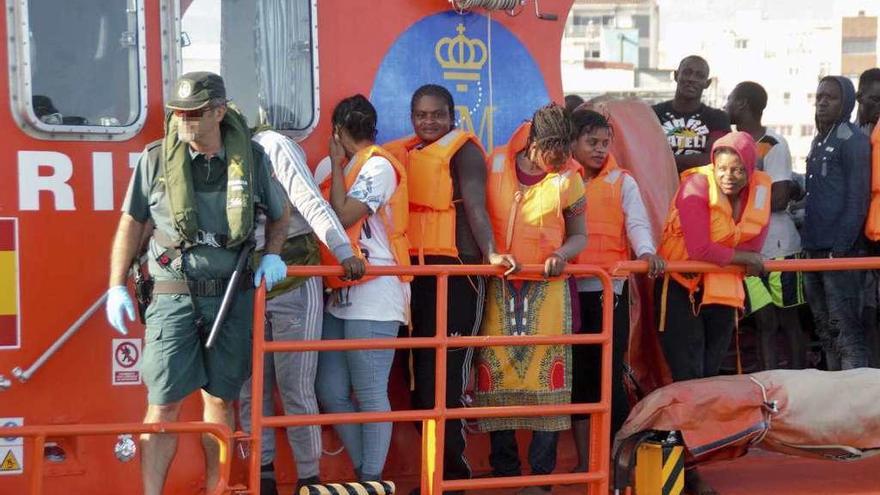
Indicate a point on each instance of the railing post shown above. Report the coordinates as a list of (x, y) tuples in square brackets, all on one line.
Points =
[(440, 381), (37, 464), (257, 387), (600, 457)]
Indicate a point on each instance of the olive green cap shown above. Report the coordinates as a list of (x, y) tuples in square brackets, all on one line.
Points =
[(194, 90)]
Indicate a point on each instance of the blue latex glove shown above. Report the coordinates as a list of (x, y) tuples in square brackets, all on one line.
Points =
[(272, 268), (117, 301)]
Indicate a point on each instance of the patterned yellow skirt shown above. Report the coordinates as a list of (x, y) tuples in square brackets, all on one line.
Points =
[(525, 375)]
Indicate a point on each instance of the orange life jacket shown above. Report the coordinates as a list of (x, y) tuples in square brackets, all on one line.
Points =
[(872, 224), (719, 288), (394, 215), (527, 221), (431, 206), (606, 221)]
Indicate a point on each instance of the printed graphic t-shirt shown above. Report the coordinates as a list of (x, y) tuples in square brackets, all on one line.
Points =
[(689, 133), (382, 298)]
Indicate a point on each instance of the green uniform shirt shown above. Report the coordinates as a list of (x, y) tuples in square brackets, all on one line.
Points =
[(146, 200)]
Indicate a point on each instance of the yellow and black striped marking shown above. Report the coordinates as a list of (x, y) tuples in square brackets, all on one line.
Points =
[(351, 488), (659, 469)]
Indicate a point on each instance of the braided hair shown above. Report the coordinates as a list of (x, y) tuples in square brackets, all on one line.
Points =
[(356, 115), (552, 133)]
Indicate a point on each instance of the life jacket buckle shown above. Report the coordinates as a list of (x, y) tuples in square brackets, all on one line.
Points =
[(209, 239)]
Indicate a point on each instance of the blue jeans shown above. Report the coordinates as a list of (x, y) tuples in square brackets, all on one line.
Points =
[(364, 374), (836, 300), (504, 455)]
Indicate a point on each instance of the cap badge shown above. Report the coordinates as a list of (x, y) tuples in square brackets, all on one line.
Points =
[(184, 89)]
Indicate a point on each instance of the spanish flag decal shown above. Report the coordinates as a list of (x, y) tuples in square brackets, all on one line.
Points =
[(9, 321)]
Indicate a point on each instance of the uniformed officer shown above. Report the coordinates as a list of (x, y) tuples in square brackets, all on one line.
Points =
[(200, 187)]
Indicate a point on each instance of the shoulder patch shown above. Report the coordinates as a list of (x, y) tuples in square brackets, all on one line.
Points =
[(844, 132), (772, 141)]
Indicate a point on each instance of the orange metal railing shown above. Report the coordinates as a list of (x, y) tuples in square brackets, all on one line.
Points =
[(434, 419), (39, 433)]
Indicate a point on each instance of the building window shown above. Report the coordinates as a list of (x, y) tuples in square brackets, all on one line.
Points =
[(741, 43), (592, 50), (786, 97), (266, 56), (859, 45), (807, 130), (79, 68), (811, 98), (785, 130)]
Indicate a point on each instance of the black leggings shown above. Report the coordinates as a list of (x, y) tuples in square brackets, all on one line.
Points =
[(586, 383), (694, 345)]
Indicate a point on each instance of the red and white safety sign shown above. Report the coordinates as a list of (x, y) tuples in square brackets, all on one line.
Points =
[(126, 361), (11, 448)]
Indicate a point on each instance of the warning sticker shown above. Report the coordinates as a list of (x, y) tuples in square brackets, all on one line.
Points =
[(11, 460), (6, 441), (126, 361), (11, 448)]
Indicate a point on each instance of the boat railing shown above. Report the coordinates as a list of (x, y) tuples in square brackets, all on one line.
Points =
[(433, 420), (37, 434)]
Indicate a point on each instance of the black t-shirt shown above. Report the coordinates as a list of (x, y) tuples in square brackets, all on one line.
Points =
[(689, 133)]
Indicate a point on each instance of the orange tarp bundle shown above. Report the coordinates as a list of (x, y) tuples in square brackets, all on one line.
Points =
[(830, 415)]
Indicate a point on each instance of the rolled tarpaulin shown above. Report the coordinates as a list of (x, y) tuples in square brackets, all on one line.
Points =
[(350, 488)]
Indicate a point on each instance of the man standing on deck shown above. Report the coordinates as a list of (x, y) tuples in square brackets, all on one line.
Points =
[(868, 97), (295, 309), (201, 187), (838, 188), (772, 297), (691, 126), (448, 225)]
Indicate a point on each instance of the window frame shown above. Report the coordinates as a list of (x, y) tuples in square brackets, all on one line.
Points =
[(172, 64), (21, 88)]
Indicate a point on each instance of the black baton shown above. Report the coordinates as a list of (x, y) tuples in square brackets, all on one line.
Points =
[(231, 291)]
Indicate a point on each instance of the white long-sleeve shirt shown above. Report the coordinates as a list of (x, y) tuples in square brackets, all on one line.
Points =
[(311, 212), (638, 231)]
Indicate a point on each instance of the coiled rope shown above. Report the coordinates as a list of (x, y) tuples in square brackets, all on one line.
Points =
[(462, 5)]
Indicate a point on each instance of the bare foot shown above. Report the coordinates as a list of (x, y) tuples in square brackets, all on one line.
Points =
[(694, 484)]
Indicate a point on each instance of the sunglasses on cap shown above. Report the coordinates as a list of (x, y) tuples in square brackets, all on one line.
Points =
[(192, 114)]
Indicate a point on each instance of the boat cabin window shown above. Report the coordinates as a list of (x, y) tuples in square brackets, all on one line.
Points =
[(78, 68), (265, 51)]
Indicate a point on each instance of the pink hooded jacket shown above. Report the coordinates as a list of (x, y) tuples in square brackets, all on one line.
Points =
[(692, 202)]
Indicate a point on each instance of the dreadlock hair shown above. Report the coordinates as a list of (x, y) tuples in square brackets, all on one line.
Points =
[(586, 121), (552, 132), (436, 91), (755, 96), (356, 115)]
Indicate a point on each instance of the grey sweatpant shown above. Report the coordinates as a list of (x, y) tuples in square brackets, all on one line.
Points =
[(294, 315)]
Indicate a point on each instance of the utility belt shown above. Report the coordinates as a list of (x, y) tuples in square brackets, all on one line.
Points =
[(171, 249), (200, 288)]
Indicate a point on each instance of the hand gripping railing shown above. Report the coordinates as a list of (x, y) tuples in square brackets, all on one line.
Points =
[(432, 482), (39, 433)]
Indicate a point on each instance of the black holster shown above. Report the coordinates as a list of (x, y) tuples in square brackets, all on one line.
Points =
[(143, 292)]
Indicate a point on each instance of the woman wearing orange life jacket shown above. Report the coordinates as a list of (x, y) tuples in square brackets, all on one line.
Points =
[(536, 202), (617, 226), (367, 190), (720, 215)]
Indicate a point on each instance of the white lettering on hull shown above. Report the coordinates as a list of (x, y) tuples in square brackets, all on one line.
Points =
[(31, 183)]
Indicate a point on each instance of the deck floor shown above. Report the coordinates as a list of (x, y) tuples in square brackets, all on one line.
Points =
[(760, 473)]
